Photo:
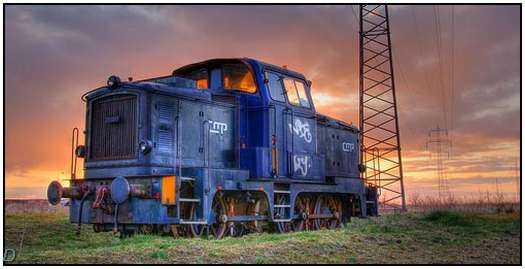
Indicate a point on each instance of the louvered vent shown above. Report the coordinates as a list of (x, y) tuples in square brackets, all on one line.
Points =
[(166, 112), (113, 128)]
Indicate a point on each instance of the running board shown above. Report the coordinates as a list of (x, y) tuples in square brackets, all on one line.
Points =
[(192, 222)]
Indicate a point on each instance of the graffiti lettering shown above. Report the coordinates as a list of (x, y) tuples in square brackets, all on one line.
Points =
[(301, 164), (301, 129)]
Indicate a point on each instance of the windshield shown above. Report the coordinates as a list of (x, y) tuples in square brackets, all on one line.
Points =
[(176, 81), (238, 77), (200, 77)]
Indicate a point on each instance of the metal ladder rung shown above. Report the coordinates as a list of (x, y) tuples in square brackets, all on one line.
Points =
[(190, 200), (282, 220), (279, 191), (184, 221), (281, 206)]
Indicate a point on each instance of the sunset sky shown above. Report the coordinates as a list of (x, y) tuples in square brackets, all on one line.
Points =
[(53, 54)]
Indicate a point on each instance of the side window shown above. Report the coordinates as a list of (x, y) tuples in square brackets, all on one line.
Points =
[(301, 90), (201, 78), (275, 86), (289, 85), (296, 92), (238, 77)]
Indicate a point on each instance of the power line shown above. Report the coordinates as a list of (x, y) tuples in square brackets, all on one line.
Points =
[(420, 50), (437, 26)]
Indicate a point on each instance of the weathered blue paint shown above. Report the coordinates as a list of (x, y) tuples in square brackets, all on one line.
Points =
[(223, 140)]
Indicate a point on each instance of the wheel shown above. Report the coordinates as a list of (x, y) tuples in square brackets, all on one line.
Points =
[(327, 205), (218, 208), (259, 208), (304, 207), (218, 228), (279, 213)]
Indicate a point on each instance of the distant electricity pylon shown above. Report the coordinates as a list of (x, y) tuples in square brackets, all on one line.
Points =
[(378, 120), (438, 144)]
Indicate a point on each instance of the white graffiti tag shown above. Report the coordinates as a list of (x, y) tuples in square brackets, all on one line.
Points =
[(301, 165), (301, 129), (217, 127)]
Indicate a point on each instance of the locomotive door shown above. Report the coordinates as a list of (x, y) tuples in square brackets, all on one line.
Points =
[(300, 132)]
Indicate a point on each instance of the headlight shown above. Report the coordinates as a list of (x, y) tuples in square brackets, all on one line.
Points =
[(80, 151), (113, 82), (145, 146)]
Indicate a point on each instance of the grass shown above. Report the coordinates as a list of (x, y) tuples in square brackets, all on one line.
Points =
[(437, 237)]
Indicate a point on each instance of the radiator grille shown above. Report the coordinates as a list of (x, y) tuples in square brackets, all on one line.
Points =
[(113, 128)]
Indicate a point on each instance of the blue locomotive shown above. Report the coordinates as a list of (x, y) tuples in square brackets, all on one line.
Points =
[(220, 147)]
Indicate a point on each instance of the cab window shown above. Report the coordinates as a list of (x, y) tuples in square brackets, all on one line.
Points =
[(238, 77), (296, 91), (275, 86), (201, 78)]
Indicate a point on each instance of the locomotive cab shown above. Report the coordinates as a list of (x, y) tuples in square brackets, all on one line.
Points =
[(277, 120), (224, 143)]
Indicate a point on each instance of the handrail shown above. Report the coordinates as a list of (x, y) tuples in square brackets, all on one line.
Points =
[(74, 145)]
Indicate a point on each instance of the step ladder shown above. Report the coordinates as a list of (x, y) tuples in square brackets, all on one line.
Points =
[(282, 205), (191, 197)]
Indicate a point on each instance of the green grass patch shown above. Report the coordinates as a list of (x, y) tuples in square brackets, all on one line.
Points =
[(449, 218), (436, 237)]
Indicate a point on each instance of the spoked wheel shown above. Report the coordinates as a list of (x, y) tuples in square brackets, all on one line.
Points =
[(219, 212), (218, 228), (327, 205), (304, 207), (257, 209), (280, 213)]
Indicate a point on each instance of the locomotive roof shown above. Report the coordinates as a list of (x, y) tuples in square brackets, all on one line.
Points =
[(218, 61), (183, 69)]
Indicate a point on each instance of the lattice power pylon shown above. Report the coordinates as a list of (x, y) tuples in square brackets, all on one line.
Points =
[(439, 144), (378, 121)]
